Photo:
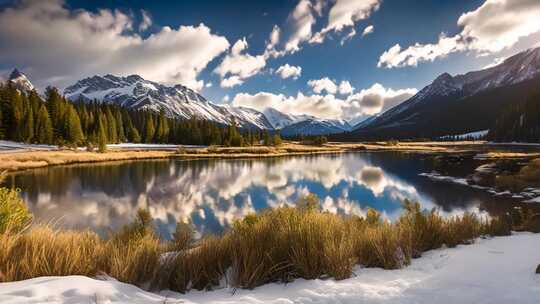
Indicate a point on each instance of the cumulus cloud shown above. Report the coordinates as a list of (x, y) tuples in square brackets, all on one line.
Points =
[(146, 21), (355, 107), (368, 30), (274, 38), (345, 13), (342, 14), (345, 88), (377, 98), (301, 22), (58, 46), (287, 71), (238, 65), (494, 26), (323, 84), (330, 87), (231, 82)]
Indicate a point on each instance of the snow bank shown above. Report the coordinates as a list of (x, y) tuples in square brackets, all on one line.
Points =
[(531, 194), (498, 270), (471, 135), (11, 146), (132, 146)]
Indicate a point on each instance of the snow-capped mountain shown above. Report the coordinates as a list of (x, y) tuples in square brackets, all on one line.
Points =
[(458, 104), (280, 120), (134, 92), (291, 125), (20, 81), (316, 126)]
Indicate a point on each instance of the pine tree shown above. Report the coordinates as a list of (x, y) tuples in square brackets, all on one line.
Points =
[(74, 133), (120, 126), (101, 134), (149, 129), (44, 129), (28, 127), (17, 116), (111, 127), (162, 132)]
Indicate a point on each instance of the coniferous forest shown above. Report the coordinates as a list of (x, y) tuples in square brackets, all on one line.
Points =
[(52, 119), (518, 122)]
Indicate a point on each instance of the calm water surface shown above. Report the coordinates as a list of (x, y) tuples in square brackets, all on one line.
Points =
[(213, 193)]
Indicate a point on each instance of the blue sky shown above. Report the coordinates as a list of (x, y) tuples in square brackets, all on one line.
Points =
[(77, 38)]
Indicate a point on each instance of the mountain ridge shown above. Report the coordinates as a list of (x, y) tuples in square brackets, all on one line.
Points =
[(447, 94)]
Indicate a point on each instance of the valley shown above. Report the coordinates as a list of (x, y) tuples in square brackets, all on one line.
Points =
[(269, 152)]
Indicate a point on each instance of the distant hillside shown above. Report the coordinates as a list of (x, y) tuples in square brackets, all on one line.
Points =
[(518, 122), (459, 104)]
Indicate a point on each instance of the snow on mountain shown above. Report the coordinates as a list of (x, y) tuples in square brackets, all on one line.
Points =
[(20, 81), (280, 120), (291, 125), (446, 88), (134, 92), (316, 126)]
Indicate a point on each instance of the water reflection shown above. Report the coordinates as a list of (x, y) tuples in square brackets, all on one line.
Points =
[(213, 193)]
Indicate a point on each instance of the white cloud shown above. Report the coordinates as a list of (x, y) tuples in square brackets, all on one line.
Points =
[(274, 38), (287, 71), (345, 13), (377, 98), (345, 88), (301, 22), (58, 46), (324, 84), (368, 30), (208, 84), (226, 98), (231, 81), (238, 65), (146, 21), (365, 103), (349, 36), (494, 26)]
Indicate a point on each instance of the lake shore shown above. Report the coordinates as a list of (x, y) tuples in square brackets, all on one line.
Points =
[(18, 160)]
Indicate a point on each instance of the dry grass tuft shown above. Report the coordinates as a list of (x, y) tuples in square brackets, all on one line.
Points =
[(276, 245)]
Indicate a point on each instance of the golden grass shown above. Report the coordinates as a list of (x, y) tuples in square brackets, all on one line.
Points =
[(528, 176), (276, 245), (36, 159), (13, 161)]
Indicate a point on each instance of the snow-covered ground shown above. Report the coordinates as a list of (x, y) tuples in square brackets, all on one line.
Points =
[(131, 146), (531, 195), (11, 146), (497, 270), (474, 135)]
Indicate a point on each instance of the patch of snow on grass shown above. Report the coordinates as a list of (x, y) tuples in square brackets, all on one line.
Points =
[(497, 270)]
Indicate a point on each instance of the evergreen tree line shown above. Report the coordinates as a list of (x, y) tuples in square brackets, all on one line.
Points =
[(26, 117), (518, 122)]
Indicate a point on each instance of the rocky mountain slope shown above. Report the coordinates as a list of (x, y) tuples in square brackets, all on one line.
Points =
[(20, 81), (179, 101), (135, 92), (458, 104)]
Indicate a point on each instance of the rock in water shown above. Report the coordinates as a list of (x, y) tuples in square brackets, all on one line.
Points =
[(538, 269)]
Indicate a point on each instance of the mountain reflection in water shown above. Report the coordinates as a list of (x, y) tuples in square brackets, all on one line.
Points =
[(213, 193)]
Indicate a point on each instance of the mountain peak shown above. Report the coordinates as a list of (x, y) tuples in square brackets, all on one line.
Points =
[(443, 78), (15, 74), (135, 92), (20, 81)]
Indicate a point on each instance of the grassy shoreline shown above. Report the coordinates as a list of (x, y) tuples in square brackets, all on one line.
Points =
[(276, 245), (17, 161)]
